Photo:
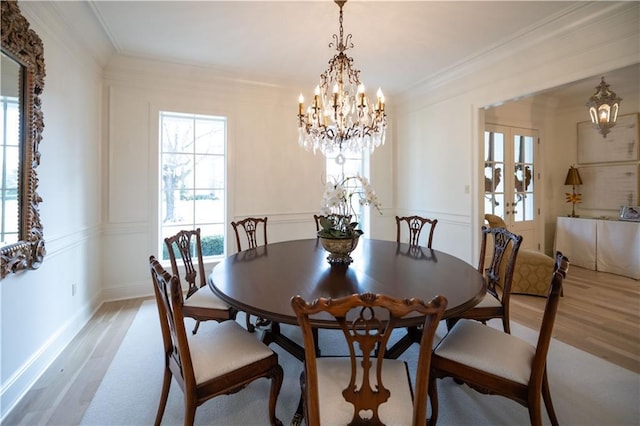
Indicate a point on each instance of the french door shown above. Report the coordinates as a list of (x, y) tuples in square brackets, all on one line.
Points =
[(510, 180)]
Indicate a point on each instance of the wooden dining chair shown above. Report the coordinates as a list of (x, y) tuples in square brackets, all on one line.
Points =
[(217, 361), (494, 362), (250, 227), (499, 276), (201, 303), (415, 224), (364, 387)]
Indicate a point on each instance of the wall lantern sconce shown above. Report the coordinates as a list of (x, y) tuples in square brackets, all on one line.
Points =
[(603, 108), (573, 179)]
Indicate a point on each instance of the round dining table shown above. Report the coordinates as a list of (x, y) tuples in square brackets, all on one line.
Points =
[(262, 281)]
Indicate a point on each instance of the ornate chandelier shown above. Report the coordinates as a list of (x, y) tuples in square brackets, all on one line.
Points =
[(603, 108), (341, 118)]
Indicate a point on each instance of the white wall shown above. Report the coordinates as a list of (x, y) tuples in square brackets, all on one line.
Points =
[(39, 313), (439, 140), (268, 173)]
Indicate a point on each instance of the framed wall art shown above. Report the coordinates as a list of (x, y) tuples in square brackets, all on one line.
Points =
[(608, 187), (620, 145)]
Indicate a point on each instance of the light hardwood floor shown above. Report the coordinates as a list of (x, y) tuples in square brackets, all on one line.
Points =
[(599, 313)]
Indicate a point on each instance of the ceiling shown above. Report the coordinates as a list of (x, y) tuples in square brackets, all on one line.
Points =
[(287, 41), (397, 44)]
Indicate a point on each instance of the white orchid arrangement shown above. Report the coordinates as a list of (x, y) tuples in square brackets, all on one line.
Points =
[(337, 206)]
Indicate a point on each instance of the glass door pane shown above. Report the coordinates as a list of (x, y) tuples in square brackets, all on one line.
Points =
[(494, 186), (523, 200)]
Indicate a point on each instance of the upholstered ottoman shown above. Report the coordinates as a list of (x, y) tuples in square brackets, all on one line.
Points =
[(532, 273)]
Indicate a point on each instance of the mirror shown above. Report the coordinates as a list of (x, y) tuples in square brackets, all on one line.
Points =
[(21, 124)]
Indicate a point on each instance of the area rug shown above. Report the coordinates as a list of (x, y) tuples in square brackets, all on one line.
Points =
[(586, 390)]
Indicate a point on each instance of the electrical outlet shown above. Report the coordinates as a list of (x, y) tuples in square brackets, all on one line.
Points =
[(73, 289)]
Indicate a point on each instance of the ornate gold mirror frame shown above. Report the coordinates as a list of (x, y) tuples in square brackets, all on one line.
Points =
[(25, 47)]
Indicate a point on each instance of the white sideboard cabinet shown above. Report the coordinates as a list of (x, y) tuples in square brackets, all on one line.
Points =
[(601, 245)]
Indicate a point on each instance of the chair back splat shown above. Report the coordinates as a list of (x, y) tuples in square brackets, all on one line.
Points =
[(187, 242), (414, 226), (365, 387), (251, 226)]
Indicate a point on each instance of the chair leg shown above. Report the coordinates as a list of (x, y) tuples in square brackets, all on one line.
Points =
[(195, 329), (250, 327), (300, 413), (164, 394), (276, 384), (433, 398), (505, 325), (534, 406), (546, 396), (189, 410)]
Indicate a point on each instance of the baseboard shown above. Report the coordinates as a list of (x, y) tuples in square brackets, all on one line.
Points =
[(132, 290)]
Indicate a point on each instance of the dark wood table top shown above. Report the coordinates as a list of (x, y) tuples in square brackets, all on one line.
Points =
[(262, 281)]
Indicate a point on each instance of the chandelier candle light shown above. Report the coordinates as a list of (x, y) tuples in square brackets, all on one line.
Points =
[(341, 117)]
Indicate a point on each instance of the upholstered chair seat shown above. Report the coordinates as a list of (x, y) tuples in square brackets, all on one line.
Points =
[(229, 345), (489, 301), (477, 346), (205, 298)]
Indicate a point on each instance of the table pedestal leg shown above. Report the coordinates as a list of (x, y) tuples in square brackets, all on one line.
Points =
[(413, 336), (273, 335), (299, 415)]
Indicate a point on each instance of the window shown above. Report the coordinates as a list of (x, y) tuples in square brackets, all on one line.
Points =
[(193, 178), (9, 160), (354, 164)]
